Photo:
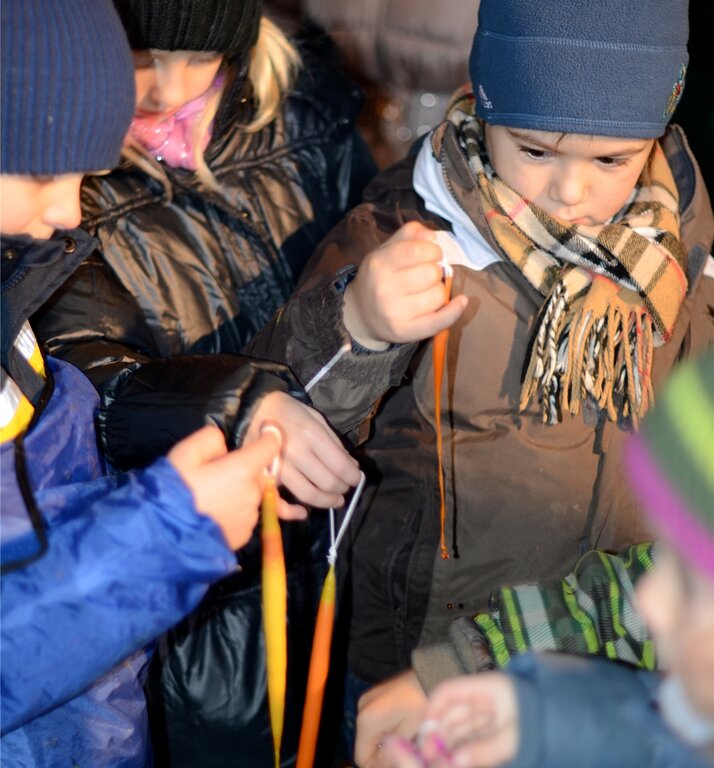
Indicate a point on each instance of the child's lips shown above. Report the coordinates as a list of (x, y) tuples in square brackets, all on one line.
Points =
[(579, 220), (148, 114)]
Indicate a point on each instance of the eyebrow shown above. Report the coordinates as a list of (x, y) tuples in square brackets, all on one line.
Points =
[(529, 139)]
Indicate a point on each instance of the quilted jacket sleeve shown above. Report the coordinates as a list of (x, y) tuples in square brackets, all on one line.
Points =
[(308, 334), (148, 409), (148, 402)]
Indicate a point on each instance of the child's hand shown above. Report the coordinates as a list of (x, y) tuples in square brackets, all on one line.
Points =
[(227, 486), (316, 468), (398, 294), (474, 722), (392, 708)]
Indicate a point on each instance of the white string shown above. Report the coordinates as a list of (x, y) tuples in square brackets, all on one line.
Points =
[(335, 542), (346, 347), (275, 465)]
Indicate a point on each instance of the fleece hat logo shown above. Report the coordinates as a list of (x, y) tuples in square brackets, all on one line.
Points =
[(67, 86), (671, 463), (601, 67)]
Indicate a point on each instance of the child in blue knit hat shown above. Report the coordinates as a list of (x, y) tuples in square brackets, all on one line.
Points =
[(555, 710), (94, 567), (578, 230)]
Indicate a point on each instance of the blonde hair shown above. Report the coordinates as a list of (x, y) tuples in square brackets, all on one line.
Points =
[(272, 69)]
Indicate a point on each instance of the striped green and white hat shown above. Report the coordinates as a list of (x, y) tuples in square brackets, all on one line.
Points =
[(671, 462)]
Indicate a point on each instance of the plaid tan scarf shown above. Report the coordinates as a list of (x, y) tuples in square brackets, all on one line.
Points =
[(612, 291)]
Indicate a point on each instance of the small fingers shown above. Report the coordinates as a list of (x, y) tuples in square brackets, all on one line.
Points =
[(322, 459), (303, 490), (200, 447), (419, 278), (412, 230), (403, 753), (485, 753), (312, 466), (405, 255), (429, 323), (291, 511)]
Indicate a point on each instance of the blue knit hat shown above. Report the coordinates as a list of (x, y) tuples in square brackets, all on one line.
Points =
[(601, 67), (67, 86)]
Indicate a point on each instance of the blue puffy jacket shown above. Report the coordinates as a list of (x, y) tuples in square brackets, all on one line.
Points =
[(94, 566), (592, 713)]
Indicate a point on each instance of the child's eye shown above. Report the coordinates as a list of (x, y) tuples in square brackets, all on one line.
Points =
[(143, 59), (535, 154), (205, 58), (613, 162)]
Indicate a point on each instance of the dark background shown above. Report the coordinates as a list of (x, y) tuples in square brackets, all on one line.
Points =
[(695, 112)]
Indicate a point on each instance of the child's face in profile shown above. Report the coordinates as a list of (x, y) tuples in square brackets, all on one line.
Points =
[(166, 80), (38, 205), (677, 603), (581, 179)]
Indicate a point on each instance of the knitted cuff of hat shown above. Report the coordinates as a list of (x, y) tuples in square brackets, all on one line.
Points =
[(221, 26)]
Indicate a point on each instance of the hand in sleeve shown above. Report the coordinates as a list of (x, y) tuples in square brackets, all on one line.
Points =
[(397, 295), (395, 707), (227, 486)]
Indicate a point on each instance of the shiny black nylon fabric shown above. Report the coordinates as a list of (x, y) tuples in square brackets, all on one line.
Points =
[(207, 685), (203, 271), (198, 275)]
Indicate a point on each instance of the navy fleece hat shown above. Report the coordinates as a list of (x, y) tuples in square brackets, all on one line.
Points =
[(67, 86), (601, 67)]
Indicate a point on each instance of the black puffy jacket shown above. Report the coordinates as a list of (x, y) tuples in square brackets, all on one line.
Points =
[(191, 271), (156, 318)]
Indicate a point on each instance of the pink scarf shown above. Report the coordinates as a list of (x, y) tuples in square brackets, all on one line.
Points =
[(171, 139)]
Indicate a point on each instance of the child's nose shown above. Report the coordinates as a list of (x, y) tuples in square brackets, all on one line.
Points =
[(570, 187), (64, 210), (169, 91)]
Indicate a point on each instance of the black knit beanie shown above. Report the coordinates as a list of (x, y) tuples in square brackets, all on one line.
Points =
[(67, 86), (221, 26)]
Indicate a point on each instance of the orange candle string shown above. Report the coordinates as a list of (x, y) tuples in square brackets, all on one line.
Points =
[(322, 642), (317, 676), (438, 360)]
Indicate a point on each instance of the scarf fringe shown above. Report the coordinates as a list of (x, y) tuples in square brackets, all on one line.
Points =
[(596, 346)]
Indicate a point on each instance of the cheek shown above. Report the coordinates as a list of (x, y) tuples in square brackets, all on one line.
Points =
[(659, 601), (614, 192), (17, 212), (200, 81), (144, 80), (530, 182), (695, 665)]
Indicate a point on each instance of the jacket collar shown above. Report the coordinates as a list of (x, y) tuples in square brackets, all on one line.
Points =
[(31, 271)]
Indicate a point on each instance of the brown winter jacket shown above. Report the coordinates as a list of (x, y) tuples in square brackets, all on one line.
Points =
[(525, 500)]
